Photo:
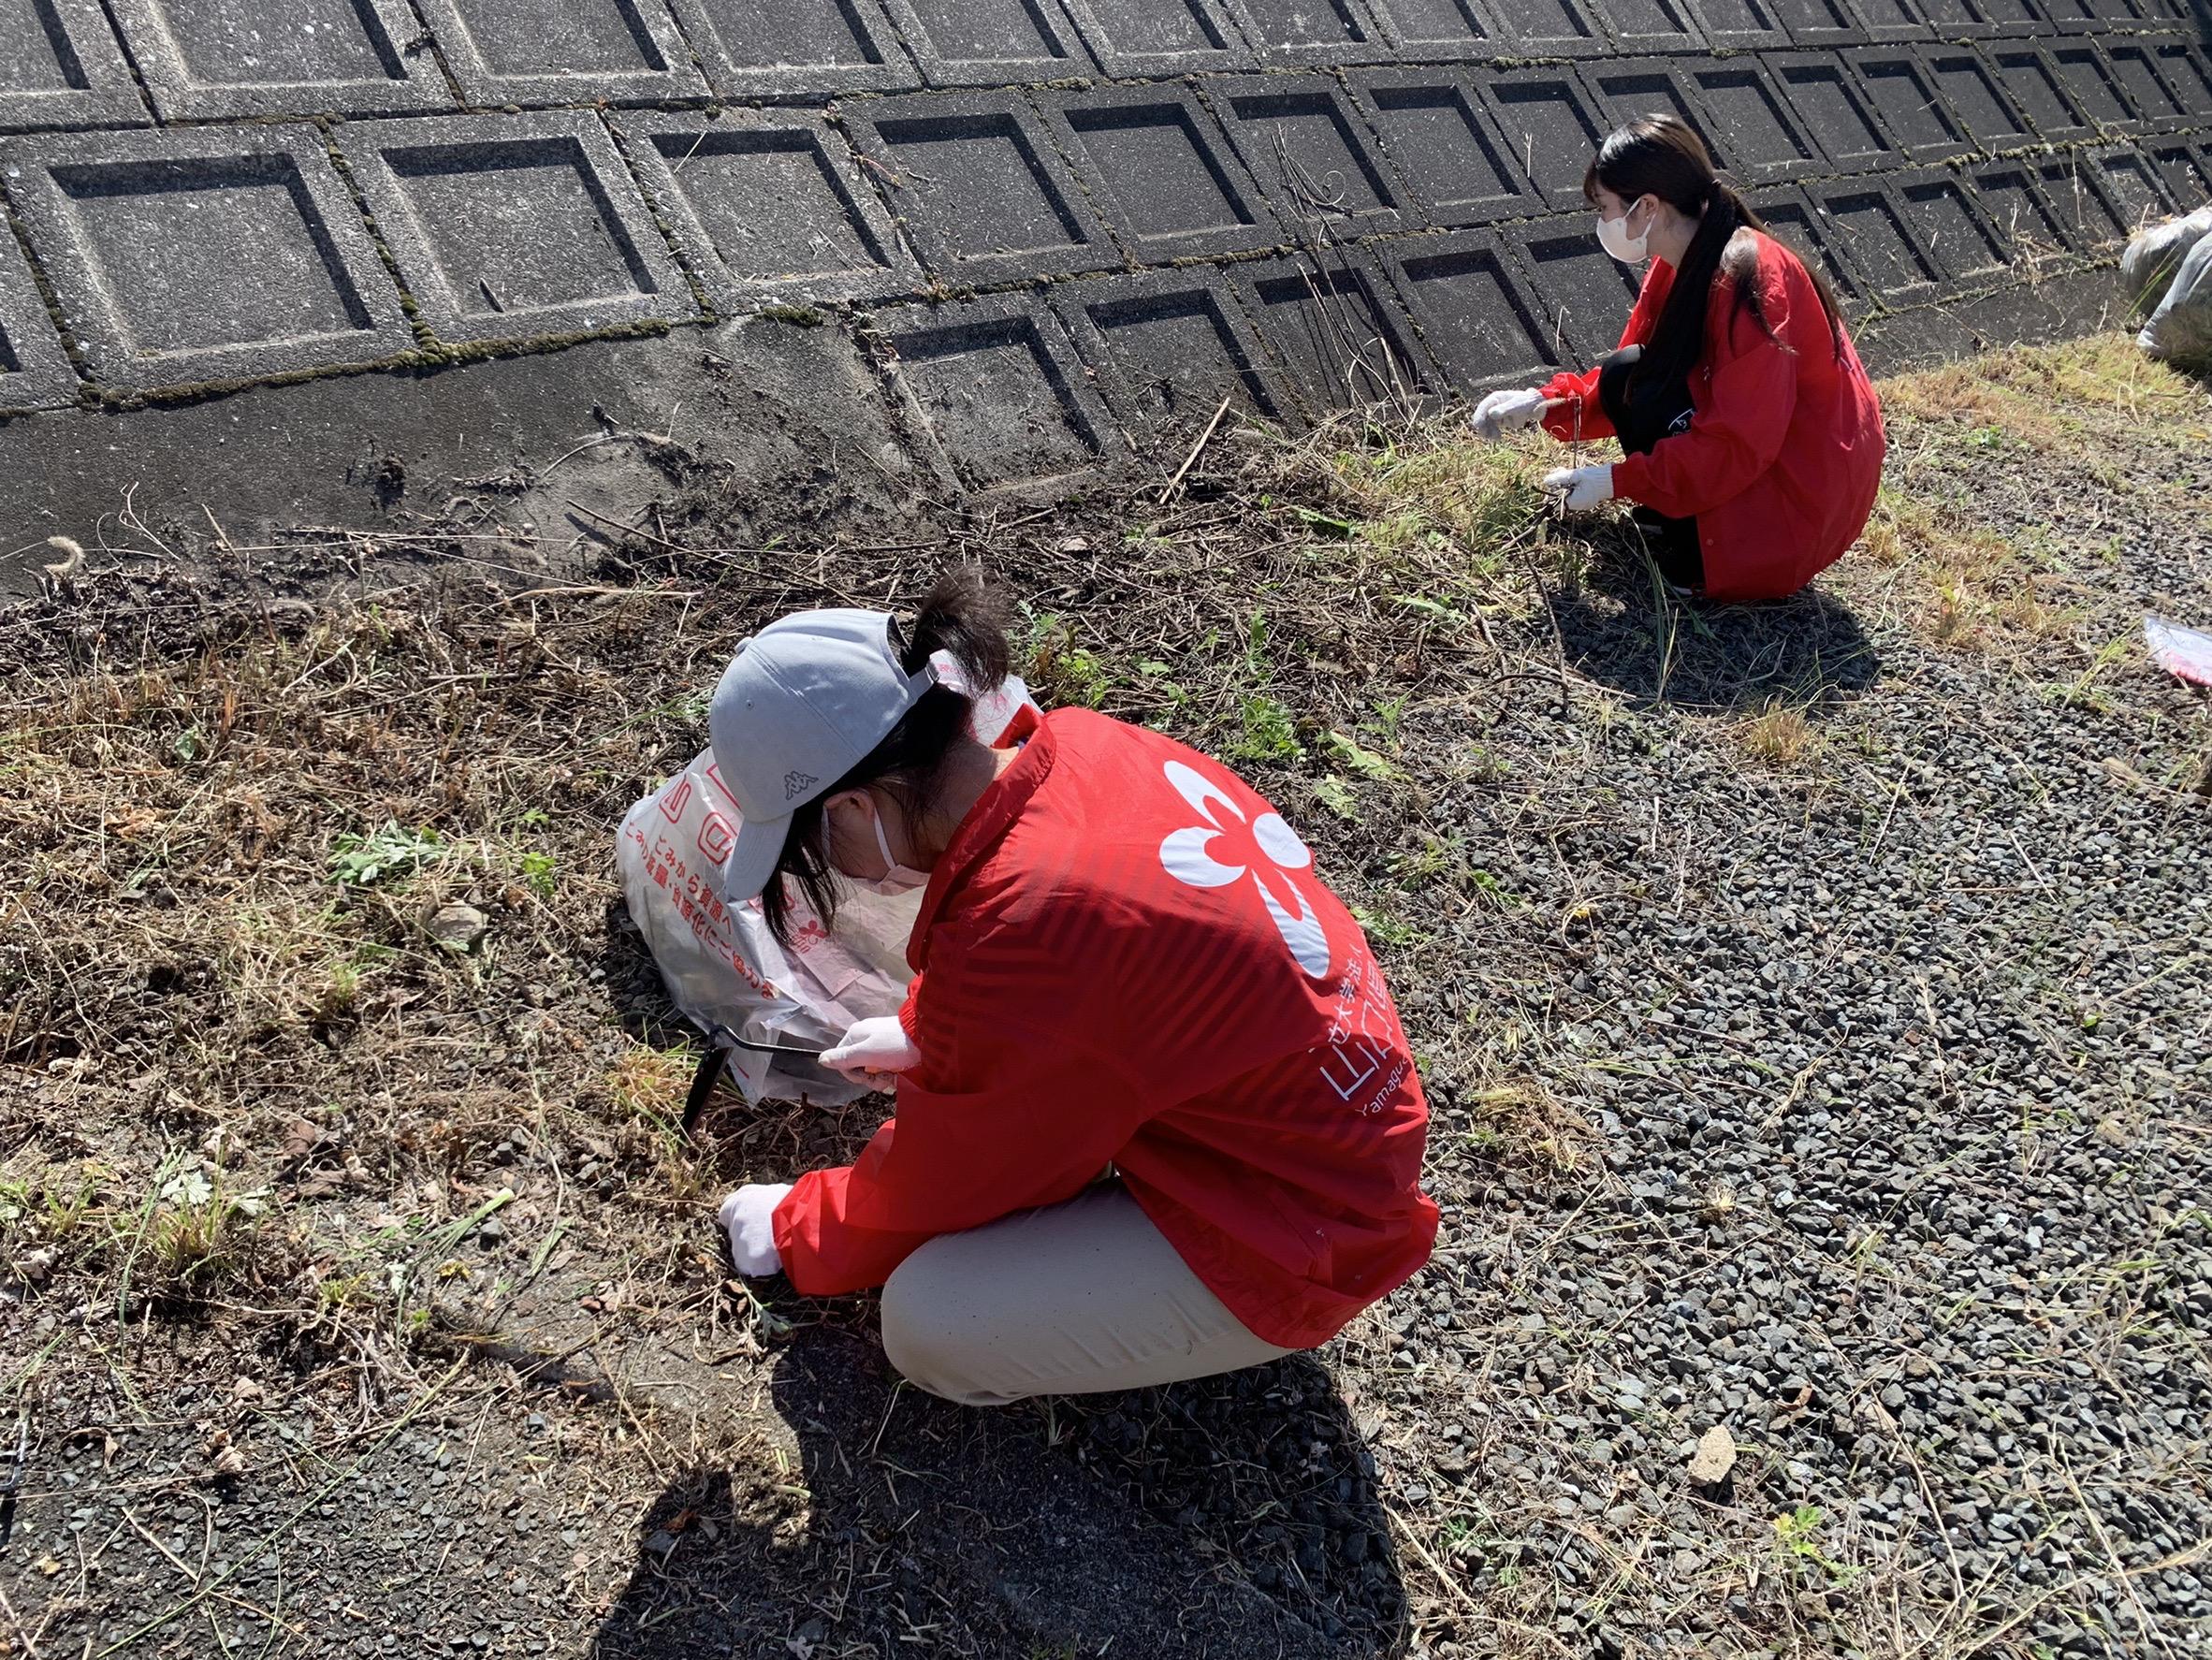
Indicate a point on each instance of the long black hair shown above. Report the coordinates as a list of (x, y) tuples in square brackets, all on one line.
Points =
[(960, 616), (1661, 155)]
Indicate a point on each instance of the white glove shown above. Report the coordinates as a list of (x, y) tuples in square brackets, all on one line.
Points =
[(749, 1217), (1584, 488), (1507, 412), (873, 1052)]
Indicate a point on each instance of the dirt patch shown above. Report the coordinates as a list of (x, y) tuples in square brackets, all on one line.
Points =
[(529, 466), (1813, 999)]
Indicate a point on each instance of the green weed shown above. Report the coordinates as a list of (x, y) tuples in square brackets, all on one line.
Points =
[(538, 869), (1268, 733), (202, 1232), (1360, 759), (1428, 607), (1160, 676), (1336, 795), (1256, 657), (1061, 671), (1796, 1534), (1392, 931), (363, 861), (1328, 523)]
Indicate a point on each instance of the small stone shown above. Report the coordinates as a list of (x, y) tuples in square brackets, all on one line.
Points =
[(457, 928), (1714, 1458)]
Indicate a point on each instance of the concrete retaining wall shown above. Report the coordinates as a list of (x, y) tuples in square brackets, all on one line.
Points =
[(1057, 227)]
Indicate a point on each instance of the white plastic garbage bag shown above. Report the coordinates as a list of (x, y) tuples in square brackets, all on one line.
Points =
[(2185, 652), (722, 966), (2181, 330), (2167, 271)]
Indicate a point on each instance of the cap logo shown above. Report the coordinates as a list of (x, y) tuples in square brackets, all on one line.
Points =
[(797, 783)]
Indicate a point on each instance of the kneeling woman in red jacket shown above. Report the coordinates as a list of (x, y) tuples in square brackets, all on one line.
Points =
[(1156, 1117), (1754, 438)]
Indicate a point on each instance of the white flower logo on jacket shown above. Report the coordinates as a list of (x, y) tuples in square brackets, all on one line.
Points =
[(1226, 848)]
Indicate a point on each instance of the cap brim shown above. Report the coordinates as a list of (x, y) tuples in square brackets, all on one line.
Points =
[(752, 858)]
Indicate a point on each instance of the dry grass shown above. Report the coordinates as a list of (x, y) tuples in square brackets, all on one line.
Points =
[(1971, 587), (2045, 396), (201, 966), (1522, 1124), (1780, 736), (2085, 410)]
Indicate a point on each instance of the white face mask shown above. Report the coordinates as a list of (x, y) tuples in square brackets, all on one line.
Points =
[(897, 877), (1612, 236)]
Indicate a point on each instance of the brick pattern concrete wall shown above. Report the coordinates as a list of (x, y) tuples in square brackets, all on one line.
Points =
[(1079, 224)]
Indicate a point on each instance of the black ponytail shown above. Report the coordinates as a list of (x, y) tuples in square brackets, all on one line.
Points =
[(1660, 155), (959, 616)]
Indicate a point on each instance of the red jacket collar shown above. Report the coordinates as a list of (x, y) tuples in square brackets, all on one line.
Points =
[(994, 813)]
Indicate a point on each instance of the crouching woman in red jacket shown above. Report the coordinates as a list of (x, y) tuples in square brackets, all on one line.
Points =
[(1754, 438), (1156, 1116)]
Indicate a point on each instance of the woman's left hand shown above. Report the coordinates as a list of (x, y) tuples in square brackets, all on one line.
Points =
[(749, 1217), (1583, 487)]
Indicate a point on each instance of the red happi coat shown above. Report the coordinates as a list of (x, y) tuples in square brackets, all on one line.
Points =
[(1783, 453), (1126, 956)]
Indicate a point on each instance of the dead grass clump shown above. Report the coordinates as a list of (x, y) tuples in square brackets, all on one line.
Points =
[(650, 1084), (1520, 1124), (2003, 609), (648, 1087), (285, 966), (1781, 735), (202, 1238), (2108, 373)]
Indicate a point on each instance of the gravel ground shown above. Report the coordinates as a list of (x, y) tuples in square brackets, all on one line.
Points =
[(1814, 999)]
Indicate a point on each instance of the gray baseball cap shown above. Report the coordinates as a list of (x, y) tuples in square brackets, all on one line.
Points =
[(800, 705)]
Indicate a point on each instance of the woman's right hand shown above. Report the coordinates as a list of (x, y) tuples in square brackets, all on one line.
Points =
[(874, 1052), (1508, 412)]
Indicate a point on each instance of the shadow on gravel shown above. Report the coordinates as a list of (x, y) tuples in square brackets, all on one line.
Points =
[(1806, 652), (1233, 1516)]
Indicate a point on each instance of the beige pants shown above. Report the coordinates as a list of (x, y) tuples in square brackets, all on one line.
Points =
[(1066, 1301)]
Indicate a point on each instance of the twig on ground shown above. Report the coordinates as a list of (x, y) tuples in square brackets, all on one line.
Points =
[(1190, 460)]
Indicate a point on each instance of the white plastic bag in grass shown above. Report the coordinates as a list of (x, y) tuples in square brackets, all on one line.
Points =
[(2167, 272), (2181, 330), (2184, 653), (722, 966)]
